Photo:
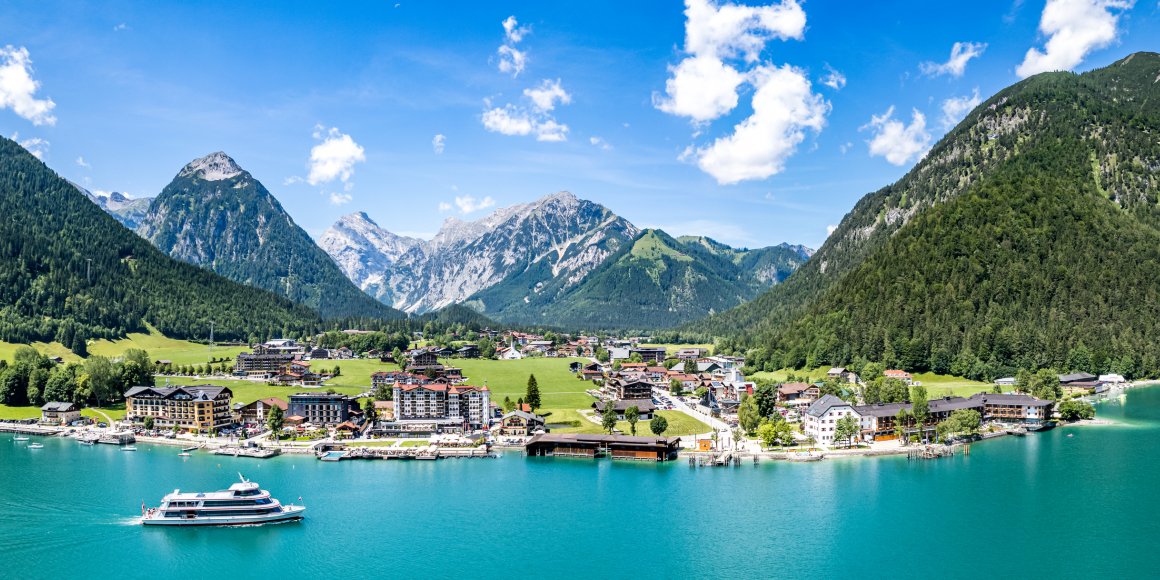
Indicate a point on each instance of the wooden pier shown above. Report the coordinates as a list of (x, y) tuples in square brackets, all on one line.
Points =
[(930, 452)]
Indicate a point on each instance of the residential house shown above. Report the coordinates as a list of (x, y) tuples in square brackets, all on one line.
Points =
[(468, 351), (59, 413), (255, 413), (842, 374), (520, 424), (631, 389), (319, 353), (789, 392), (900, 375), (692, 353), (648, 354), (1015, 407), (195, 409), (821, 418), (510, 353)]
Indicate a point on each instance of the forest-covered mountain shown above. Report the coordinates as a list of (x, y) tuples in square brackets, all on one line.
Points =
[(70, 272), (1028, 237), (538, 263), (658, 282), (216, 215)]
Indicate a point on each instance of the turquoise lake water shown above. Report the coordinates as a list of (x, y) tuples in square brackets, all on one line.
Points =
[(1044, 505)]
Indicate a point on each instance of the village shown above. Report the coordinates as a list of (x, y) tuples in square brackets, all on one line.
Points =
[(421, 405)]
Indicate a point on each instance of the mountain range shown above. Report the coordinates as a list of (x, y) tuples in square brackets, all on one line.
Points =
[(72, 272), (1027, 237), (560, 260), (128, 210)]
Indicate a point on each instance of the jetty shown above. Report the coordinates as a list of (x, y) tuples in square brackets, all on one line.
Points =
[(930, 452), (30, 429), (625, 447), (119, 438), (430, 452), (253, 452)]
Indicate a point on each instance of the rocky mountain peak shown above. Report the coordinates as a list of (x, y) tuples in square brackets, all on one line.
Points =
[(216, 166)]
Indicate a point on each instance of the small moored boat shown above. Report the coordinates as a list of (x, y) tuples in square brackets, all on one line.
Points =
[(183, 454), (20, 438), (35, 446), (244, 503), (128, 448)]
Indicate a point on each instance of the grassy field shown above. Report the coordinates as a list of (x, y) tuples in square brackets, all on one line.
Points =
[(115, 412), (679, 424), (673, 348), (159, 347), (936, 385), (250, 391), (8, 349)]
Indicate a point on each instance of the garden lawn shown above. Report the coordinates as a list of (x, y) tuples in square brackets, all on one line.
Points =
[(679, 424), (559, 388)]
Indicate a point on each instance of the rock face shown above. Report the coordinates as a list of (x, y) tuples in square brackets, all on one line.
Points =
[(216, 215), (558, 239), (524, 263), (128, 210)]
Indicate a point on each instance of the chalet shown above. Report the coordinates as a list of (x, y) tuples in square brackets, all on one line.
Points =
[(468, 351), (821, 418), (58, 413), (1005, 382), (385, 410), (319, 353), (692, 353), (344, 353), (422, 359), (648, 354), (592, 372), (297, 366), (900, 375), (644, 406), (796, 392), (521, 424), (842, 374), (632, 389), (593, 446), (347, 428), (878, 421), (656, 375), (255, 413)]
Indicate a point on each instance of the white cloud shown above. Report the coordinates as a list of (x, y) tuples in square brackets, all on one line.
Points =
[(897, 142), (35, 145), (81, 161), (512, 30), (508, 120), (844, 147), (1073, 28), (961, 53), (833, 79), (830, 229), (599, 142), (551, 131), (337, 198), (468, 204), (730, 30), (783, 108), (535, 119), (700, 88), (120, 27), (17, 87), (438, 143), (334, 157), (545, 96), (512, 60), (444, 207), (955, 108), (724, 42)]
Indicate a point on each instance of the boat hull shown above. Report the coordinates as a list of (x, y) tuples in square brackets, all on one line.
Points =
[(288, 513)]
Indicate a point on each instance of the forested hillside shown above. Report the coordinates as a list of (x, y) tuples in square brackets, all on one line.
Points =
[(69, 272), (1028, 237)]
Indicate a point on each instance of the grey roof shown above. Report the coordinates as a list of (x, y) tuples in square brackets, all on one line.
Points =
[(197, 391), (953, 404), (59, 406), (622, 405), (1011, 399), (1073, 377), (882, 409), (820, 406)]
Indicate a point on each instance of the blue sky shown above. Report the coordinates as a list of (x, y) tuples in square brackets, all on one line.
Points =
[(708, 118)]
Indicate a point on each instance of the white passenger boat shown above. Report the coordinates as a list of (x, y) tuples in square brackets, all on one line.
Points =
[(243, 503)]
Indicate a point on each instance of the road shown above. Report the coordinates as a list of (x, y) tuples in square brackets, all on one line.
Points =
[(724, 431)]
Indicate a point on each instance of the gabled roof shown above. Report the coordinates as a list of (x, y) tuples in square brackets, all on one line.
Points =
[(59, 407), (824, 404)]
